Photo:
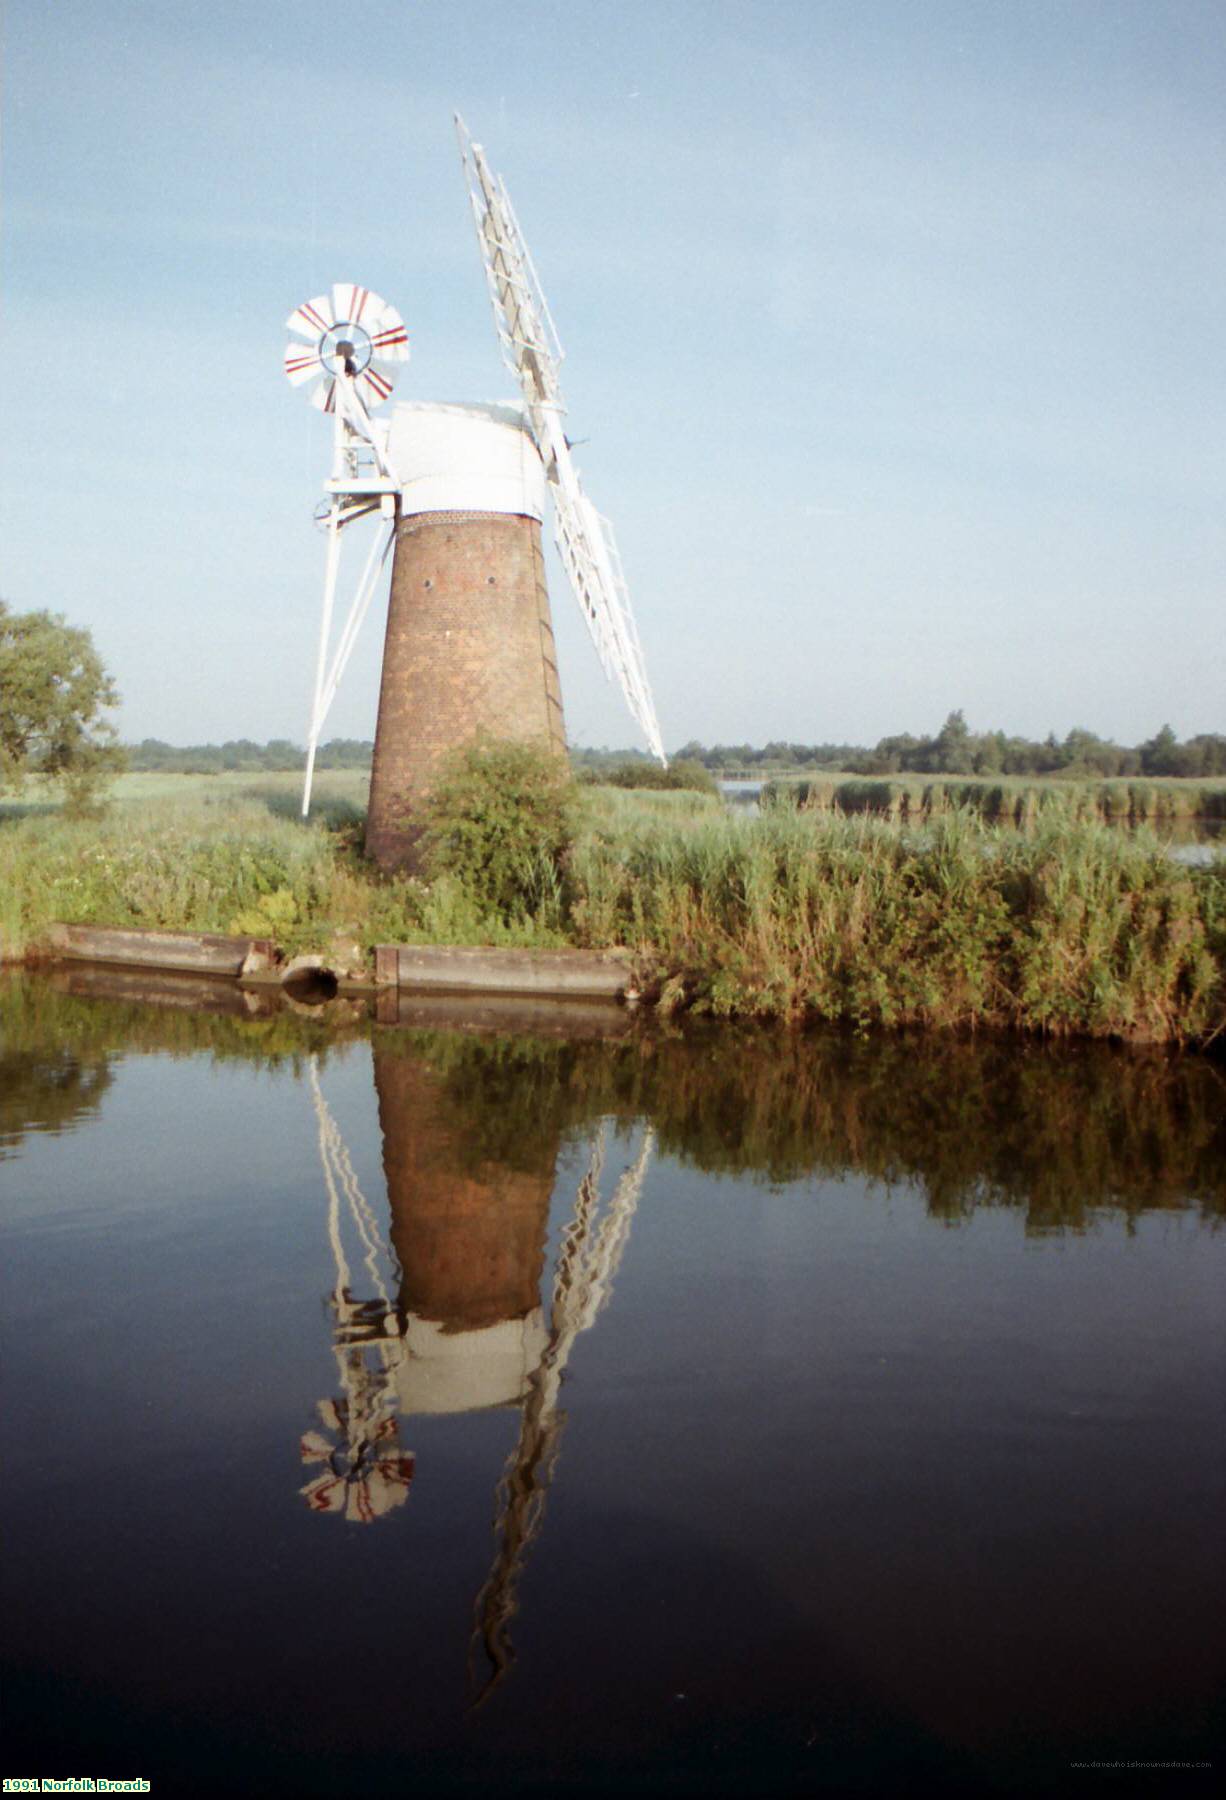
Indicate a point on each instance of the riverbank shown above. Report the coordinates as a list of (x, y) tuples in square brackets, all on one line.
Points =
[(1069, 928)]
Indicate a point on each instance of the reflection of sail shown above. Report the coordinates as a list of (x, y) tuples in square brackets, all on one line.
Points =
[(589, 1258), (365, 1472)]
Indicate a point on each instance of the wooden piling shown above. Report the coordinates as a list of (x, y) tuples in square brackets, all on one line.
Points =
[(581, 974), (199, 953)]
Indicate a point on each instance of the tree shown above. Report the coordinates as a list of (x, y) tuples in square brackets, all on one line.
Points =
[(1160, 754), (988, 753), (1206, 754), (954, 753), (54, 694)]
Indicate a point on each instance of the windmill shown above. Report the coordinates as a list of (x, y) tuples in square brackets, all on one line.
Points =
[(460, 493), (467, 1330)]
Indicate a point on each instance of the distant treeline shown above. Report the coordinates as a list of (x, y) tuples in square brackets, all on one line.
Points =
[(242, 755), (955, 750)]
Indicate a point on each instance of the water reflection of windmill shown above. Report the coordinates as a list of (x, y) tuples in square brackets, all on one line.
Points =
[(465, 1330)]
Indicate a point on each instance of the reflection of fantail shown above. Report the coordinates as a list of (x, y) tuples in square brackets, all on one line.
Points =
[(366, 1473)]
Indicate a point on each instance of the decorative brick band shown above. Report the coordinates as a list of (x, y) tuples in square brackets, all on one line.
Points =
[(419, 521)]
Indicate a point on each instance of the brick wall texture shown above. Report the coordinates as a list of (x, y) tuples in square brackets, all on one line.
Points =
[(469, 649), (469, 1235)]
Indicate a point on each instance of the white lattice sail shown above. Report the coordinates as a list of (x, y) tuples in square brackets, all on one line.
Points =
[(530, 346)]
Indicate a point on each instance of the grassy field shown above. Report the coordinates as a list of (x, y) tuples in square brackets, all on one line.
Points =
[(339, 794), (1070, 927)]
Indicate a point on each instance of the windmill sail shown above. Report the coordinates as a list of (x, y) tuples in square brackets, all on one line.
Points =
[(532, 352)]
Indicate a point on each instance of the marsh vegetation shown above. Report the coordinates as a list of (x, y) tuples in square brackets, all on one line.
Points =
[(1010, 800), (1069, 927)]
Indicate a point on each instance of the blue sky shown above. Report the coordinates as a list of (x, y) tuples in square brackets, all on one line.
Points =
[(894, 330)]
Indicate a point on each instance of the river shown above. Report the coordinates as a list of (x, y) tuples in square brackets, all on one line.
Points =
[(546, 1403)]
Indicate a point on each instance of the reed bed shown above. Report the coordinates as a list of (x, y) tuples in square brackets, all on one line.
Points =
[(1008, 800), (1072, 927)]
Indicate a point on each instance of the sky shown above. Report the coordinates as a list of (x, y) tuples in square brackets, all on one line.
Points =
[(894, 336)]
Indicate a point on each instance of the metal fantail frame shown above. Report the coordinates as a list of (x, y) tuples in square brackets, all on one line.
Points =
[(354, 345)]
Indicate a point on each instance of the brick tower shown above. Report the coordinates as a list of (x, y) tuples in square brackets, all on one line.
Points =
[(469, 646)]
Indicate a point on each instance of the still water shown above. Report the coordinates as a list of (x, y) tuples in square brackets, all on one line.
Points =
[(544, 1404)]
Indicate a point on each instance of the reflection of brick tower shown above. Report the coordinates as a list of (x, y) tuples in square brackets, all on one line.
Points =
[(470, 1240), (469, 645)]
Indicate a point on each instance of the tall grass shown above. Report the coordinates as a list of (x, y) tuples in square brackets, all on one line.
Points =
[(1070, 928), (230, 855), (195, 864), (1008, 799)]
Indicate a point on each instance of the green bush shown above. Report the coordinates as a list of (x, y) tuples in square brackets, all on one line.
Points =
[(684, 772), (500, 822)]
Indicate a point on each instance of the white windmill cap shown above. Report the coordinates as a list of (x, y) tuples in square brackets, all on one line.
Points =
[(464, 1371), (465, 457)]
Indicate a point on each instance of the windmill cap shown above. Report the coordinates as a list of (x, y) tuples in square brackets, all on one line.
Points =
[(465, 457)]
